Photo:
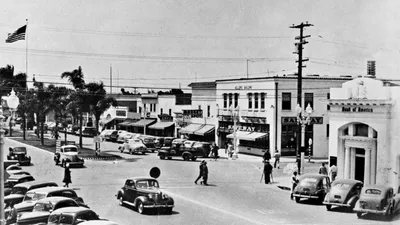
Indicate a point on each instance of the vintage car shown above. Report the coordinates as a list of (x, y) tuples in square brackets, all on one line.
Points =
[(18, 192), (181, 148), (114, 135), (205, 147), (32, 196), (124, 136), (378, 199), (16, 179), (72, 216), (133, 146), (143, 194), (14, 167), (89, 131), (68, 154), (19, 153), (312, 186), (105, 133), (148, 141), (343, 193), (42, 209)]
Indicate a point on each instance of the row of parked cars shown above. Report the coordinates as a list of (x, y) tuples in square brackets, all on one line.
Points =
[(43, 202), (350, 194)]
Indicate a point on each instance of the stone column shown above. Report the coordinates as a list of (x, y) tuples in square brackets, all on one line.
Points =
[(347, 163), (352, 163), (367, 166), (373, 165)]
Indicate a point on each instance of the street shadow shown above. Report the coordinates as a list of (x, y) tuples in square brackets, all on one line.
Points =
[(132, 159), (77, 167), (161, 212), (342, 209), (309, 202), (209, 185)]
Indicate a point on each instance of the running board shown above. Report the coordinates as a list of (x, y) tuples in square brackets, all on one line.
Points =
[(129, 203)]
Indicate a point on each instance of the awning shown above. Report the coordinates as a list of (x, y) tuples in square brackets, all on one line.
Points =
[(126, 122), (206, 129), (161, 125), (255, 135), (191, 128), (239, 134), (142, 123)]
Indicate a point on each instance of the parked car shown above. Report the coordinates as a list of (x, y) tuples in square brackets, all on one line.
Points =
[(312, 186), (107, 134), (103, 133), (20, 154), (15, 179), (148, 141), (72, 216), (123, 136), (144, 194), (68, 154), (133, 146), (19, 190), (18, 172), (181, 148), (32, 196), (29, 125), (89, 131), (205, 147), (378, 199), (43, 208), (343, 193), (160, 142)]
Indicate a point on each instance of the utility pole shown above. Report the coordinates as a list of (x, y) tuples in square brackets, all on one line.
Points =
[(110, 78), (300, 66)]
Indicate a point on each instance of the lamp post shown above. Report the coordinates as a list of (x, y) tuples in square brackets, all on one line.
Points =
[(303, 119), (309, 149), (12, 102), (235, 117)]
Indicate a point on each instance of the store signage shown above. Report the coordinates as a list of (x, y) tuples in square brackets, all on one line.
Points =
[(357, 109), (193, 113), (120, 113), (243, 87), (293, 120), (242, 128)]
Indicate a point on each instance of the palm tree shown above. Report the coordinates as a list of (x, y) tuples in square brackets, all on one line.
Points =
[(57, 103), (26, 108)]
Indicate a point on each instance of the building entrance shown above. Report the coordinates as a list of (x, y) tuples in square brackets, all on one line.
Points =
[(359, 164)]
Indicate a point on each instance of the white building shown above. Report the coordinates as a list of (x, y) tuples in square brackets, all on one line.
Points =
[(364, 130)]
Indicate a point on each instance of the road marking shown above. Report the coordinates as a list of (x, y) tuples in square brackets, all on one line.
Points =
[(260, 211), (215, 208)]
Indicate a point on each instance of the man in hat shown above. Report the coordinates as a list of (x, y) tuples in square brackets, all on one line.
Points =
[(267, 171), (205, 173), (200, 171)]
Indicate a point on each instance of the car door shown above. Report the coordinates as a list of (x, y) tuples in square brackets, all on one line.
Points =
[(130, 191)]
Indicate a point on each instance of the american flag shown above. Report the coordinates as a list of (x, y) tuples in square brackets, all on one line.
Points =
[(17, 35)]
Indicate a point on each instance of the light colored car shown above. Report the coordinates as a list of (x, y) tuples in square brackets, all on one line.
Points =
[(123, 136), (133, 146), (105, 134), (68, 154), (343, 193)]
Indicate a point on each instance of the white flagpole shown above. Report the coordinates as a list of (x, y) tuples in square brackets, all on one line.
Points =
[(26, 40)]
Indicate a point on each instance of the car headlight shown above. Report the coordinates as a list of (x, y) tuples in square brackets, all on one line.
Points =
[(164, 195), (12, 157)]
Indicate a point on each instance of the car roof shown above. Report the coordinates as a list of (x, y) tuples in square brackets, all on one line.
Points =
[(313, 175), (19, 176), (54, 200), (69, 146), (33, 183), (19, 147), (73, 209), (382, 187), (347, 181), (99, 222), (50, 189), (141, 178)]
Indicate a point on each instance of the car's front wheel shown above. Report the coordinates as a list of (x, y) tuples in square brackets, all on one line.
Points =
[(168, 210), (162, 157), (359, 214), (186, 157), (328, 207), (297, 199), (140, 207)]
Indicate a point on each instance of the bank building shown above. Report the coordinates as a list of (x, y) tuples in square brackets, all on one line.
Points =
[(364, 121)]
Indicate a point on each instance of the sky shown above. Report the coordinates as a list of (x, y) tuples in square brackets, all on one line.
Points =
[(164, 44)]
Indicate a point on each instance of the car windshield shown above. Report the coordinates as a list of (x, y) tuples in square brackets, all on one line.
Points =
[(42, 207), (342, 185), (34, 196), (308, 181), (143, 184), (19, 190), (72, 149), (19, 150), (61, 219), (373, 191)]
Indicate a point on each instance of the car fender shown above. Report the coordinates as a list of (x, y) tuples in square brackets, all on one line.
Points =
[(163, 152), (357, 205), (120, 193), (353, 200), (143, 199), (187, 153)]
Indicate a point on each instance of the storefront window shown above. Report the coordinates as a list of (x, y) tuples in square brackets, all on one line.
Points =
[(230, 99), (286, 101), (225, 101), (262, 143), (250, 96), (256, 100), (236, 100), (262, 101), (309, 99)]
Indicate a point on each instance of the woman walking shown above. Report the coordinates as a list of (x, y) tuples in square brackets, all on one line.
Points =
[(67, 176)]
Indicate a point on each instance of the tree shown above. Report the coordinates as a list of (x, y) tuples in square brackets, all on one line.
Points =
[(8, 81), (57, 103), (27, 107)]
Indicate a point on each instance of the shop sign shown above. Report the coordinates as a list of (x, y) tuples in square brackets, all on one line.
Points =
[(165, 117), (357, 109), (193, 113), (243, 87), (293, 120), (120, 113), (242, 128)]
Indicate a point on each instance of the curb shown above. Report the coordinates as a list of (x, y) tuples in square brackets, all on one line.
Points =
[(104, 158)]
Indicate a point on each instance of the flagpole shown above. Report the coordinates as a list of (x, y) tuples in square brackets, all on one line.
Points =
[(26, 40)]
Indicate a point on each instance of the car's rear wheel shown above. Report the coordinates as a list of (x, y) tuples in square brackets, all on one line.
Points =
[(140, 207), (328, 207), (169, 157), (297, 199), (359, 214), (186, 157), (194, 158), (162, 157)]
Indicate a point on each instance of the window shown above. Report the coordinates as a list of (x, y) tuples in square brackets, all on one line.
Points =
[(236, 100), (309, 99), (170, 111), (144, 107), (208, 111), (199, 106), (250, 95), (286, 101), (154, 108), (262, 101), (328, 96), (256, 100), (328, 107), (361, 130), (225, 101), (230, 99), (151, 107), (161, 111), (327, 130)]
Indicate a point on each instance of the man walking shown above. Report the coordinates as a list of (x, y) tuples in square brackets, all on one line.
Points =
[(277, 157), (294, 182), (323, 170), (67, 176), (205, 173), (200, 172), (215, 149), (267, 172), (267, 155)]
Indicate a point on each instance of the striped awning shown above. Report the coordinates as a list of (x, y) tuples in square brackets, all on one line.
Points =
[(191, 128), (239, 134), (248, 136), (142, 123), (161, 125), (206, 129)]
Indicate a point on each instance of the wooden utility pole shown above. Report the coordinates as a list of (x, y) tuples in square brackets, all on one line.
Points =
[(300, 66)]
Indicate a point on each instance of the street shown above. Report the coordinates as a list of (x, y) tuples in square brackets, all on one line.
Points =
[(234, 196)]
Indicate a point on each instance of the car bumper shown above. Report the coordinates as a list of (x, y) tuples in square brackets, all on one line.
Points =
[(153, 206), (336, 204), (75, 163), (306, 196), (380, 212)]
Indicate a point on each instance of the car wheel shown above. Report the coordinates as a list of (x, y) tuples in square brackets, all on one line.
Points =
[(389, 213), (186, 157), (162, 157), (328, 207), (297, 199), (56, 161), (359, 215), (143, 153), (130, 151), (120, 200), (140, 207), (194, 158), (169, 211), (170, 157)]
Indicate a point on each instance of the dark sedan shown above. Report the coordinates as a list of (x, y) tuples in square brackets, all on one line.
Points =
[(20, 154), (19, 190), (312, 186)]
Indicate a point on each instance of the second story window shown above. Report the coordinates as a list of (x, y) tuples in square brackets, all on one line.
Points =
[(250, 96), (236, 100), (256, 100), (144, 107), (225, 101), (286, 101), (161, 111), (170, 112), (208, 111), (230, 99), (309, 99), (262, 100)]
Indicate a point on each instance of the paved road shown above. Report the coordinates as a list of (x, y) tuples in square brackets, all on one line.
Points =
[(235, 195)]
